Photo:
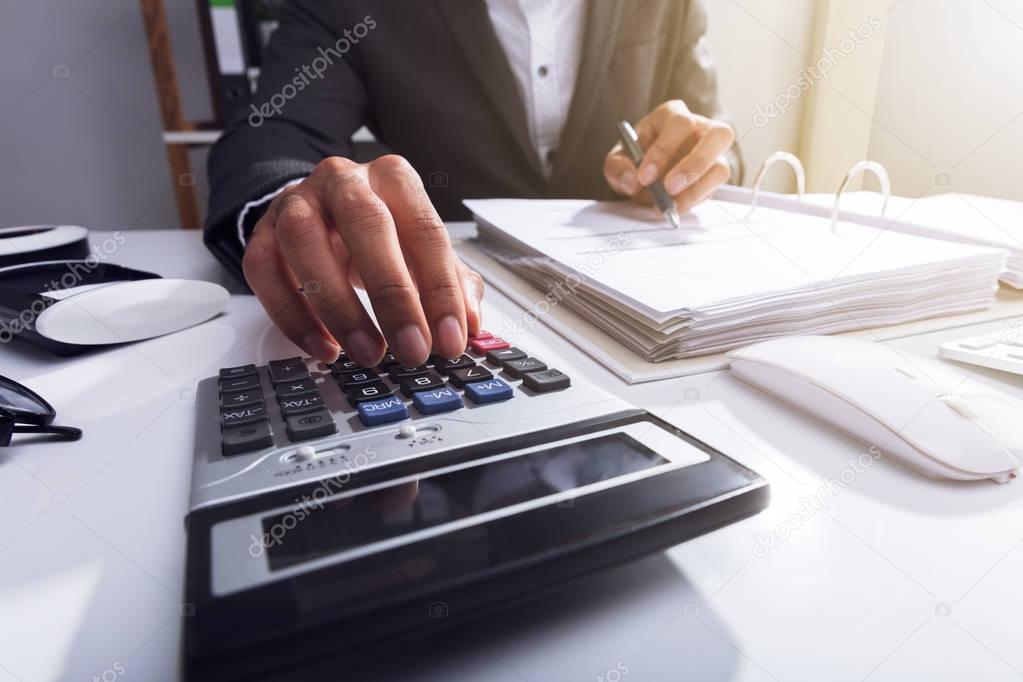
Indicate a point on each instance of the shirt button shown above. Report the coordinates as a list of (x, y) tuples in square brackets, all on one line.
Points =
[(551, 155), (543, 71)]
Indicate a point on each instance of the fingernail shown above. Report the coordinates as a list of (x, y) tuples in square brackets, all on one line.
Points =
[(627, 182), (675, 184), (361, 347), (410, 345), (450, 339), (320, 348), (648, 174)]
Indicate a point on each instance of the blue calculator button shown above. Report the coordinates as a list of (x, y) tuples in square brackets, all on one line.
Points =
[(436, 400), (490, 391), (374, 412)]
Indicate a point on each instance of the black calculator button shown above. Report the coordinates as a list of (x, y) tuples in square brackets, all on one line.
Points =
[(248, 383), (503, 355), (397, 372), (344, 366), (311, 425), (238, 439), (372, 390), (301, 403), (516, 368), (467, 375), (243, 415), (388, 362), (230, 401), (461, 362), (421, 382), (352, 378), (290, 389), (288, 370), (235, 372), (547, 380)]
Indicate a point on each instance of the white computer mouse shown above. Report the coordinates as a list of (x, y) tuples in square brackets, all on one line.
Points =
[(912, 408), (121, 312)]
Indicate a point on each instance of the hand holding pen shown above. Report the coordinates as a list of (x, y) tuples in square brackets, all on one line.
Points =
[(683, 162)]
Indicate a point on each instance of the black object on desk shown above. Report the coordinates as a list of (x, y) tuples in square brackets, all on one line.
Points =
[(22, 410)]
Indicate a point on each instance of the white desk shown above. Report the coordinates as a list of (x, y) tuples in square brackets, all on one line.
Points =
[(896, 578)]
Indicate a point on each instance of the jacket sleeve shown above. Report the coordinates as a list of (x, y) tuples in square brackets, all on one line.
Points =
[(694, 77), (309, 101)]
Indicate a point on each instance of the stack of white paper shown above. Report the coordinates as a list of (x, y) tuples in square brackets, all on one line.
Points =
[(965, 218), (726, 280)]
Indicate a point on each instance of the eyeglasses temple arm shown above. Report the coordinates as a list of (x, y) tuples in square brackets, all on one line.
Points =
[(62, 432)]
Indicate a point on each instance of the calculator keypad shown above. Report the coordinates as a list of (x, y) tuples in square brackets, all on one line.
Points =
[(376, 412), (240, 439), (427, 381), (371, 390), (516, 369), (467, 375), (382, 395), (313, 425)]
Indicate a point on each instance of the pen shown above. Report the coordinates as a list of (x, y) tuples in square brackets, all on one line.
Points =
[(665, 204)]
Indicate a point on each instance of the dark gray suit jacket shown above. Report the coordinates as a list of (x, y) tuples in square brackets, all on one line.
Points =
[(431, 81)]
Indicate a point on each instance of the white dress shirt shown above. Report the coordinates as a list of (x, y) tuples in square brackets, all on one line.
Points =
[(543, 40)]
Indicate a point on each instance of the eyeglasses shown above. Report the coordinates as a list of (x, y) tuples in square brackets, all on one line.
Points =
[(24, 411)]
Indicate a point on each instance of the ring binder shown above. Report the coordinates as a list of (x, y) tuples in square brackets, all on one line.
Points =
[(862, 167), (774, 158)]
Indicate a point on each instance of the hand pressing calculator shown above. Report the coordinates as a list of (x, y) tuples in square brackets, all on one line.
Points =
[(380, 395), (337, 509)]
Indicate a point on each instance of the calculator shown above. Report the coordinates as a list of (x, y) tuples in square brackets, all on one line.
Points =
[(337, 509), (1003, 351)]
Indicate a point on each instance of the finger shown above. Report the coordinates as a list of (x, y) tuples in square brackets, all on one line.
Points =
[(305, 242), (620, 172), (368, 231), (425, 244), (667, 132), (277, 289), (698, 162), (699, 191), (472, 289)]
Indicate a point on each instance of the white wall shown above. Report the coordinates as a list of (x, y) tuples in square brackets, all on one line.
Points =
[(79, 123), (761, 46), (949, 113), (85, 148)]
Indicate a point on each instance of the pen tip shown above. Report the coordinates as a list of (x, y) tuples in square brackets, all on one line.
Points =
[(674, 218)]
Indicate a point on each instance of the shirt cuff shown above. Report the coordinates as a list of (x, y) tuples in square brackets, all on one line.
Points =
[(253, 210)]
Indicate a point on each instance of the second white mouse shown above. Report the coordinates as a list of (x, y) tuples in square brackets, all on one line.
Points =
[(908, 406)]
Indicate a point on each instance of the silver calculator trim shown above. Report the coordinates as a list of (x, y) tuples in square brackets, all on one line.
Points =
[(236, 537), (219, 479)]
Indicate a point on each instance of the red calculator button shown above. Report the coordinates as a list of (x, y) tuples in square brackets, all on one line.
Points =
[(484, 334), (481, 346)]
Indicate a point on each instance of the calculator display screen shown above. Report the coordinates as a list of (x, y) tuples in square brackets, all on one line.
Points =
[(390, 512)]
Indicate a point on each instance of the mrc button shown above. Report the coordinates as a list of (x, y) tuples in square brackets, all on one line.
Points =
[(375, 412)]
